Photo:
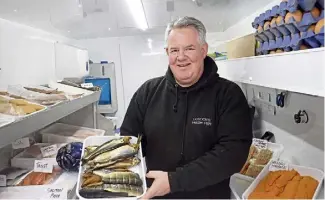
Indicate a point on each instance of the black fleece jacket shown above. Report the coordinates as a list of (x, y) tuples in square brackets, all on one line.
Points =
[(200, 135)]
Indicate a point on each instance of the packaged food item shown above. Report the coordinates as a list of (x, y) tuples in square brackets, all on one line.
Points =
[(256, 161), (285, 184), (40, 178)]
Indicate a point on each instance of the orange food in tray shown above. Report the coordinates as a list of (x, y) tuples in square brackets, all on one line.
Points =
[(285, 184)]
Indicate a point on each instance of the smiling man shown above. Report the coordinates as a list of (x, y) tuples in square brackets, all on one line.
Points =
[(196, 125)]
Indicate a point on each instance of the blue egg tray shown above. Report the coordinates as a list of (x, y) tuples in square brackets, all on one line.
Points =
[(305, 5)]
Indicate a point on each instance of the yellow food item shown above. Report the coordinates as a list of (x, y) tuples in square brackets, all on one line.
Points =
[(19, 102), (315, 12), (297, 15), (267, 25), (285, 184), (28, 109), (319, 25), (312, 28), (36, 107), (260, 29), (278, 20), (272, 52), (279, 51)]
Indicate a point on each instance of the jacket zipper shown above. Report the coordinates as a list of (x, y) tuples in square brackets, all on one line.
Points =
[(184, 130)]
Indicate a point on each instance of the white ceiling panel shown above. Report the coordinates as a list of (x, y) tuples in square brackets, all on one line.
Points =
[(156, 12), (112, 18)]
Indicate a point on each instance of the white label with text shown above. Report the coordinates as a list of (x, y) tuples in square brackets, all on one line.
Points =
[(21, 143), (55, 192), (43, 166), (259, 143), (49, 150), (3, 180), (278, 165)]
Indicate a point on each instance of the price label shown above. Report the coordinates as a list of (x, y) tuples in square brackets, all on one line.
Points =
[(56, 193), (49, 150), (261, 144), (21, 143), (43, 166), (3, 180), (278, 165), (87, 85)]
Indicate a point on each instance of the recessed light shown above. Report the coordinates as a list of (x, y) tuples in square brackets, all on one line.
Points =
[(109, 29), (68, 31), (15, 10)]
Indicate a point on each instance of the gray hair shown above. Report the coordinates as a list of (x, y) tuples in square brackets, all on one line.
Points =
[(184, 22)]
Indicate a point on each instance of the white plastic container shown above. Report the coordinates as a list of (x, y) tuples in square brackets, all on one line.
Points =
[(24, 162), (303, 171), (65, 133), (277, 150), (140, 168), (238, 184)]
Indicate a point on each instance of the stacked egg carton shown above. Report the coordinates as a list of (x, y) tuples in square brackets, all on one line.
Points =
[(292, 25)]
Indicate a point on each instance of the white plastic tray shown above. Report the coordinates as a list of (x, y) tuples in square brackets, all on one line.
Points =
[(28, 163), (277, 150), (62, 133), (239, 183), (303, 171), (140, 169)]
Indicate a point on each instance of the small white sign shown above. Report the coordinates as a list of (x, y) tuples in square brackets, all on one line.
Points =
[(56, 192), (87, 85), (3, 180), (21, 143), (259, 143), (43, 166), (49, 150), (278, 165)]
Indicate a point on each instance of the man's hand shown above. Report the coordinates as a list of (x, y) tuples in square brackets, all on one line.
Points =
[(160, 185)]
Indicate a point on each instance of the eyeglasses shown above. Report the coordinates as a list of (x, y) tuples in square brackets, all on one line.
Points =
[(175, 52)]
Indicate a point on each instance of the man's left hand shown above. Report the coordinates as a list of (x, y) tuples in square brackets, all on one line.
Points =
[(160, 185)]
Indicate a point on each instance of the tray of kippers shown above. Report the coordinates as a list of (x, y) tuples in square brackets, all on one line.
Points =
[(112, 167), (266, 176), (19, 101)]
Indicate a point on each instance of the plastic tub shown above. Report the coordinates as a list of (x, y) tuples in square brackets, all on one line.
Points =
[(239, 184), (303, 171), (140, 169), (65, 133)]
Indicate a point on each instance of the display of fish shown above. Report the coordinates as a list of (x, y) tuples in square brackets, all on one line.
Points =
[(107, 146), (119, 177), (122, 152), (130, 190), (90, 179)]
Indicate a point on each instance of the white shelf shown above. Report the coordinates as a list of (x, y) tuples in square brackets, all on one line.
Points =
[(299, 71), (37, 121)]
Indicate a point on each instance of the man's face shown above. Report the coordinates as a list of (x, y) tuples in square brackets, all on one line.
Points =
[(186, 55)]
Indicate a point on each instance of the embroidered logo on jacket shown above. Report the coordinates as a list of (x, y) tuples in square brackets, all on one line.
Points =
[(202, 120)]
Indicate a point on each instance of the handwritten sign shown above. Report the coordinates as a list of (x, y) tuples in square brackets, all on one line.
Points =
[(278, 165), (43, 166), (259, 143), (21, 143), (3, 180), (87, 85), (49, 150), (56, 192)]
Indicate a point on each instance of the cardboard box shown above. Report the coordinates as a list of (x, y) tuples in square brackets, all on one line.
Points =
[(241, 47)]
